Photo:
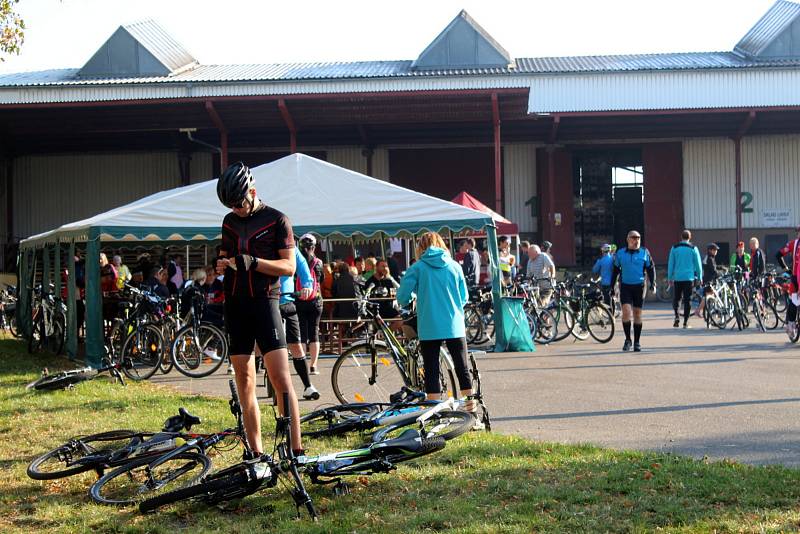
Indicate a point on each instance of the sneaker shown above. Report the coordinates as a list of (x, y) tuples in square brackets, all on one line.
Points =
[(311, 393), (262, 470), (676, 323), (211, 354), (230, 369), (637, 347), (627, 346), (313, 371)]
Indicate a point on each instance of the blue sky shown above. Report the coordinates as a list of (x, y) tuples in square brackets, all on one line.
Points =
[(65, 33)]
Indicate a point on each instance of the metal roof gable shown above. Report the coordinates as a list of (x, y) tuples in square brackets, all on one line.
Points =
[(774, 26)]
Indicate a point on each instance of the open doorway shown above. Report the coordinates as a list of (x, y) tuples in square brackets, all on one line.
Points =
[(608, 185)]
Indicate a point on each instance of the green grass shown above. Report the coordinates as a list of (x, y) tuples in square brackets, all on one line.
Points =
[(479, 483)]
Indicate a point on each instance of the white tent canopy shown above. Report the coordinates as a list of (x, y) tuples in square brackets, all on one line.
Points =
[(317, 196)]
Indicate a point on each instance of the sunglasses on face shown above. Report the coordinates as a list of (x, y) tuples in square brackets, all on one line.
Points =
[(634, 237), (240, 205)]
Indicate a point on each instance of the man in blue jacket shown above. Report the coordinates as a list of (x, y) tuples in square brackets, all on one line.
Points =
[(630, 265), (604, 266), (292, 323), (684, 270)]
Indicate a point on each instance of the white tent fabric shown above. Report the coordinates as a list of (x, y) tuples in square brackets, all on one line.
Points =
[(317, 196)]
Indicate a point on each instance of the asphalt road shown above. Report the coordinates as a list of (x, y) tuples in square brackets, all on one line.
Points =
[(698, 392)]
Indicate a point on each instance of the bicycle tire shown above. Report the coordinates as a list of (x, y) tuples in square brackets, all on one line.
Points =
[(337, 420), (578, 331), (139, 473), (203, 360), (771, 318), (381, 463), (141, 352), (229, 483), (546, 327), (563, 313), (473, 325), (120, 438), (12, 325), (36, 340), (600, 323), (61, 380), (758, 314), (795, 333), (55, 341), (664, 292), (447, 424), (352, 371)]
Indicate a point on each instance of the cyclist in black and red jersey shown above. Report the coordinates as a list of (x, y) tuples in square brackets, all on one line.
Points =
[(256, 250)]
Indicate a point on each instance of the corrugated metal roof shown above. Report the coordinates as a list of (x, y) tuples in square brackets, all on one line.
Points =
[(159, 43), (770, 26), (402, 69)]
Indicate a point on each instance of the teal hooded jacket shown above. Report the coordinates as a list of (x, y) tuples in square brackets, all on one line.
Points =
[(684, 263), (438, 283)]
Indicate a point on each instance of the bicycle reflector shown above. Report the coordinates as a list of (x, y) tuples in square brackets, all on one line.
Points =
[(385, 362)]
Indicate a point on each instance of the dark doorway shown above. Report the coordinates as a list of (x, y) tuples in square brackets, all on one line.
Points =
[(608, 187)]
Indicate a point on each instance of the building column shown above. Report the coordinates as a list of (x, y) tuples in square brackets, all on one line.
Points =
[(498, 156)]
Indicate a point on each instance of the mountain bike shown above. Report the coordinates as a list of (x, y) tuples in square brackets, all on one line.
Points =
[(479, 315), (183, 463), (592, 316), (98, 452), (8, 310), (49, 322), (199, 348), (373, 369), (244, 479)]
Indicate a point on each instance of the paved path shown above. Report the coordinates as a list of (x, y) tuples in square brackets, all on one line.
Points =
[(702, 393)]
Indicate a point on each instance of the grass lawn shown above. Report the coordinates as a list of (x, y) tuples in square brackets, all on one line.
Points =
[(479, 483)]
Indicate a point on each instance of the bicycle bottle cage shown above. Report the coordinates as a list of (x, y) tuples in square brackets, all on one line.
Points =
[(183, 421)]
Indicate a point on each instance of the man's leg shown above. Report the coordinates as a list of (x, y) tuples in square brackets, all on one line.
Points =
[(637, 325), (676, 299), (245, 376), (277, 362), (627, 312), (687, 301)]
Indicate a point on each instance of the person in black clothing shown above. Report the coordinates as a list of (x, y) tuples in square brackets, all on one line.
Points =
[(156, 282), (345, 286), (309, 312), (709, 275), (256, 250), (471, 264), (383, 279), (757, 263), (394, 266)]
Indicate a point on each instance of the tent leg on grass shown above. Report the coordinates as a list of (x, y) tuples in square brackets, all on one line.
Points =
[(94, 304), (72, 316)]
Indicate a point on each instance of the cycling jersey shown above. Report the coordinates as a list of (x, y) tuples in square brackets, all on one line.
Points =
[(263, 234), (632, 264), (793, 248)]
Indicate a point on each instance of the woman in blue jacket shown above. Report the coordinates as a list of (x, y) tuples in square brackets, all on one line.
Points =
[(438, 283)]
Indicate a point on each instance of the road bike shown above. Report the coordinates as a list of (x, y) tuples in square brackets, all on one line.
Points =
[(199, 348), (66, 379)]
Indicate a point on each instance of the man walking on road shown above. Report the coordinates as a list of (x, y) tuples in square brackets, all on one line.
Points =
[(631, 264), (684, 270)]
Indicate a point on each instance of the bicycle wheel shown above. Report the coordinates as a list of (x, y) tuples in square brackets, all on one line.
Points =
[(79, 455), (235, 481), (12, 324), (600, 323), (771, 319), (580, 329), (141, 352), (664, 292), (337, 420), (473, 325), (546, 327), (36, 341), (565, 321), (795, 333), (758, 314), (366, 374), (199, 352), (61, 380), (717, 314), (447, 424), (55, 338), (145, 477)]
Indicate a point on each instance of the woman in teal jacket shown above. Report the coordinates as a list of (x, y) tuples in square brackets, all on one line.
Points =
[(438, 284)]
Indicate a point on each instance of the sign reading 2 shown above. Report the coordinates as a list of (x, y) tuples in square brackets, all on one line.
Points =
[(747, 201)]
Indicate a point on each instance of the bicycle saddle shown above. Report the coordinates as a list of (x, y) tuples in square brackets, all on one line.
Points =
[(183, 421)]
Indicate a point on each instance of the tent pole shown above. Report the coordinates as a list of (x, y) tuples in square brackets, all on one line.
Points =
[(327, 250), (452, 243), (205, 255), (408, 252), (353, 247), (188, 270), (72, 317), (94, 304), (383, 247), (494, 273)]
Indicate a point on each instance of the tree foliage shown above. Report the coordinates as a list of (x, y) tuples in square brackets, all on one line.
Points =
[(12, 28)]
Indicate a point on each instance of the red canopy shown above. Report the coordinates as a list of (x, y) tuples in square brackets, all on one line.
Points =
[(504, 226)]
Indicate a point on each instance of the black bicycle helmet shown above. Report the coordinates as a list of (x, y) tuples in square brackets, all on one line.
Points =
[(234, 184), (547, 245)]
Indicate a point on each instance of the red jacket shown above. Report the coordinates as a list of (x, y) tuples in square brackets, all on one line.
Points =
[(793, 247)]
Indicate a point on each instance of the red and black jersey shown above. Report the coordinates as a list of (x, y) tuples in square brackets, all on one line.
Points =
[(262, 235)]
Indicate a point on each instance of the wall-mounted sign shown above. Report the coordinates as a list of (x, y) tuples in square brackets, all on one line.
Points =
[(776, 218)]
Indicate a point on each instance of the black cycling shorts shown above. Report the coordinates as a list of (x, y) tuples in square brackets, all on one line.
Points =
[(310, 313), (253, 321), (632, 294), (291, 322)]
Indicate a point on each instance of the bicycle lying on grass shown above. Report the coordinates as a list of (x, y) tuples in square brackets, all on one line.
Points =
[(248, 476), (143, 463), (66, 379), (431, 418)]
